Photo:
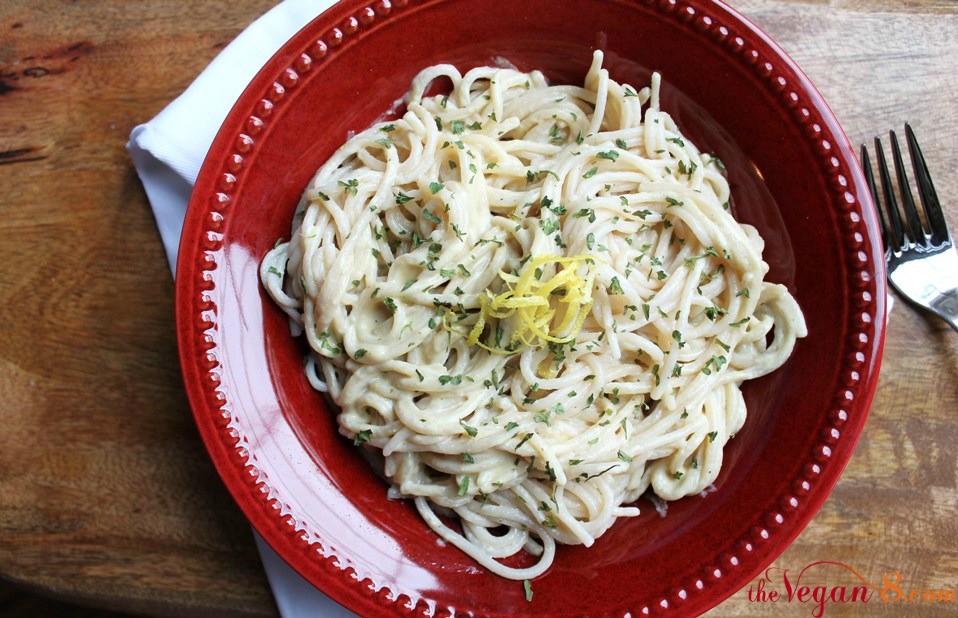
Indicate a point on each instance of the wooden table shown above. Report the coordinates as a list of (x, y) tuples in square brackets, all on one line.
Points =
[(107, 497)]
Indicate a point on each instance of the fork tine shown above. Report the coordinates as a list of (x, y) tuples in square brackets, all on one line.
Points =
[(926, 191), (913, 230), (870, 180), (896, 234)]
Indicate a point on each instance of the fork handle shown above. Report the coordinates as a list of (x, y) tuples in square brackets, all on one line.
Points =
[(946, 306)]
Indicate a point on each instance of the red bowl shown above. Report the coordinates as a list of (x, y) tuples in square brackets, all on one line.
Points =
[(273, 439)]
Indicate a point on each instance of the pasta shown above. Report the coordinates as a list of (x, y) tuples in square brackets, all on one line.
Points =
[(534, 300)]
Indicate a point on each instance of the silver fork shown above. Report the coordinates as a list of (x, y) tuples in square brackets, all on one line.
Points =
[(921, 258)]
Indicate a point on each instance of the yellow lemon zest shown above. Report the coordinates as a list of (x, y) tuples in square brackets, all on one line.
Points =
[(548, 311)]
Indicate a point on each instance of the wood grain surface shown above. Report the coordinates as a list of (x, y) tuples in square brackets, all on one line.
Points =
[(107, 497)]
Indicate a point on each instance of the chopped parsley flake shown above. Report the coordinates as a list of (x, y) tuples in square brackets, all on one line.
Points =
[(585, 212), (350, 186), (431, 217), (472, 431)]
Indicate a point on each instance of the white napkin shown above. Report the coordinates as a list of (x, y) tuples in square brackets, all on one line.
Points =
[(168, 152)]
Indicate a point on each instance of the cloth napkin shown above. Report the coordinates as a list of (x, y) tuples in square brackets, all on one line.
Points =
[(168, 152)]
